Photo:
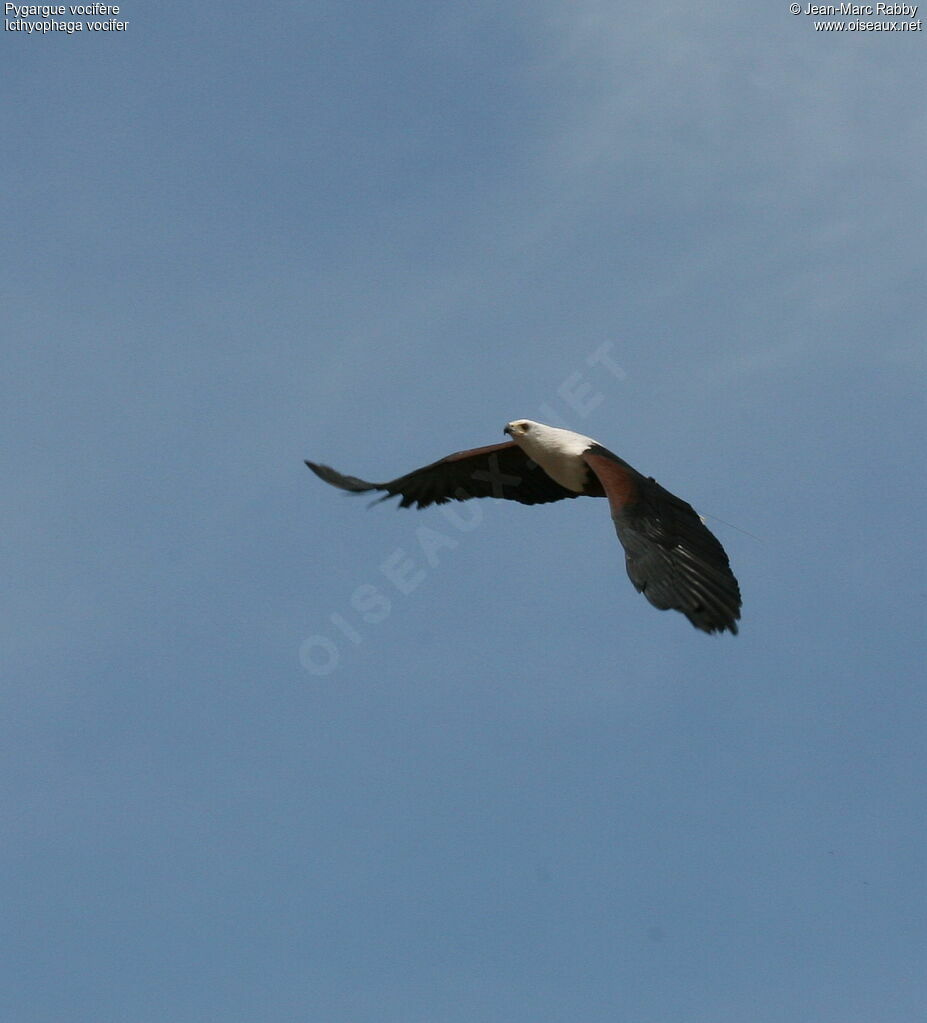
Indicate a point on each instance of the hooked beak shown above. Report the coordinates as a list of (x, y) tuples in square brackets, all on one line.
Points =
[(508, 430)]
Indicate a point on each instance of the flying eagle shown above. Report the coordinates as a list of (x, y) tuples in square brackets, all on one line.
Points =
[(671, 556)]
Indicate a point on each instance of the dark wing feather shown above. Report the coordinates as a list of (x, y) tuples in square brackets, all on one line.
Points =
[(671, 555), (499, 470)]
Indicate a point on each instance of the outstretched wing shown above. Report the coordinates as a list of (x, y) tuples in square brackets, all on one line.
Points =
[(671, 555), (499, 470)]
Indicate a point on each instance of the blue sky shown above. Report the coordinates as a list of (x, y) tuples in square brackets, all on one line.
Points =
[(237, 237)]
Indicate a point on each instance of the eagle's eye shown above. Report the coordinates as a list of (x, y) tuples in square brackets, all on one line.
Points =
[(526, 427)]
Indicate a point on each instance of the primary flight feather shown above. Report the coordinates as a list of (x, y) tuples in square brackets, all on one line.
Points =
[(671, 556)]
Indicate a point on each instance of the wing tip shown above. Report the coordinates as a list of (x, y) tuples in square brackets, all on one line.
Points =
[(336, 479), (718, 627), (713, 620)]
